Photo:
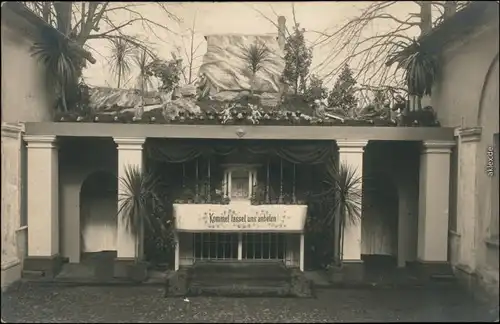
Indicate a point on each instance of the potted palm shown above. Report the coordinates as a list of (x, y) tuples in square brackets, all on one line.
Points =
[(255, 56), (141, 203), (345, 208), (63, 66), (420, 69)]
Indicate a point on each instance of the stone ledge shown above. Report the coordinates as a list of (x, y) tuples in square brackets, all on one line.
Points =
[(10, 264), (492, 243), (130, 269), (50, 266)]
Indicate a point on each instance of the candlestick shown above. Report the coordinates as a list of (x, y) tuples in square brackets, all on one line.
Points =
[(280, 199), (267, 183), (196, 190), (183, 175), (209, 195)]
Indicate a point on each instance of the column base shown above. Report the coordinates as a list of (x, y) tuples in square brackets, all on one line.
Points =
[(126, 268), (349, 272), (49, 267), (432, 269)]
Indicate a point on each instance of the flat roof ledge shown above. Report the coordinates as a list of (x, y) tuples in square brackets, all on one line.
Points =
[(69, 129)]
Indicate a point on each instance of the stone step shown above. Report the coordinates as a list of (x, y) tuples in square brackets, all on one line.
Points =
[(443, 277), (240, 290), (32, 274), (241, 275), (249, 282)]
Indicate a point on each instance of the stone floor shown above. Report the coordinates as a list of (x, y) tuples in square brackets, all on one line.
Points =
[(34, 302)]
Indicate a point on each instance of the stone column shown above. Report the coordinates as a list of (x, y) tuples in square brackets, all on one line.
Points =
[(43, 206), (434, 185), (351, 154), (467, 210), (129, 155)]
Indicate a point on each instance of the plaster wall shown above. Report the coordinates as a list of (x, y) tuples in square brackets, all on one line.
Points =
[(98, 213), (25, 95), (24, 99), (466, 95), (14, 230)]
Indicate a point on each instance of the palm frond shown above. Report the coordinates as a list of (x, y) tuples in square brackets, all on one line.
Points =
[(140, 200), (142, 60), (256, 55), (60, 59), (420, 68), (121, 57), (349, 185)]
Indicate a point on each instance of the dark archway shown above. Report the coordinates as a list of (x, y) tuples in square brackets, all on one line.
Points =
[(98, 212), (380, 218)]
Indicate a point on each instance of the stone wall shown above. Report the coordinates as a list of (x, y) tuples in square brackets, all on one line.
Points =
[(466, 98), (13, 228)]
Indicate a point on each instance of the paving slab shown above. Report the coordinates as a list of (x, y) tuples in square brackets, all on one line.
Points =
[(31, 302)]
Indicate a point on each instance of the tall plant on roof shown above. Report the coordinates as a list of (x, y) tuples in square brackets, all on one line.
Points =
[(62, 62), (420, 69), (255, 56), (142, 59), (121, 58), (298, 59)]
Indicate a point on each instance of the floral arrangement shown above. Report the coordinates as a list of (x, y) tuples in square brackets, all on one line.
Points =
[(230, 114)]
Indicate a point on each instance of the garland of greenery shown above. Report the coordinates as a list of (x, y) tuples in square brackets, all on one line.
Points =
[(234, 114)]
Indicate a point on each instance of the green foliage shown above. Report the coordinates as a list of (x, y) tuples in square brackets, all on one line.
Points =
[(142, 203), (142, 59), (343, 93), (62, 62), (122, 54), (168, 72), (420, 68), (256, 55), (338, 205), (298, 58), (315, 90)]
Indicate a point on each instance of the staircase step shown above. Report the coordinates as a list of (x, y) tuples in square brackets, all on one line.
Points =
[(443, 277), (32, 274), (246, 282), (239, 290), (241, 276)]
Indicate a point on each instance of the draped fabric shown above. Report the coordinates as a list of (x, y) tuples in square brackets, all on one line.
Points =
[(298, 152)]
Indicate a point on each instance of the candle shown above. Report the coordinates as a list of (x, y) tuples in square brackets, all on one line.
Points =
[(281, 182), (267, 183), (208, 184)]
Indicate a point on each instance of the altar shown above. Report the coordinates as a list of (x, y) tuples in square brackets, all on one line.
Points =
[(240, 231)]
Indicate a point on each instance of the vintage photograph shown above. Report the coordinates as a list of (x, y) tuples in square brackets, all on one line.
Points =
[(234, 161)]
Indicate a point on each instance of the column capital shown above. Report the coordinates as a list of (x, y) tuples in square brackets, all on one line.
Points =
[(40, 141), (129, 143), (469, 134), (437, 147), (351, 146)]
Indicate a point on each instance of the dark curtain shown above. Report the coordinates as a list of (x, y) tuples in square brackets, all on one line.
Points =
[(298, 152)]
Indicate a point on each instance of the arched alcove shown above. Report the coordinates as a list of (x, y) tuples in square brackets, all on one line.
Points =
[(98, 212), (489, 84)]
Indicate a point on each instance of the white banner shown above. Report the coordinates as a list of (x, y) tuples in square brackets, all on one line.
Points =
[(240, 217)]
